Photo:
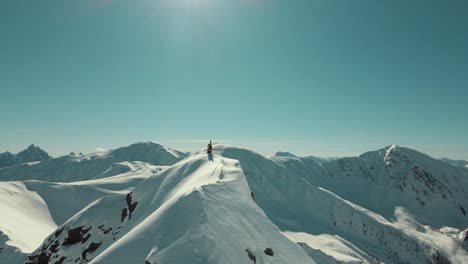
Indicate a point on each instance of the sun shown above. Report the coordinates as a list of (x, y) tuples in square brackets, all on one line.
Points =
[(200, 5), (196, 4)]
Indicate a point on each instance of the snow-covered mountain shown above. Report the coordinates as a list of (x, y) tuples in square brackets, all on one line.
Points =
[(314, 158), (97, 165), (393, 205), (458, 163), (371, 201), (33, 209), (31, 154)]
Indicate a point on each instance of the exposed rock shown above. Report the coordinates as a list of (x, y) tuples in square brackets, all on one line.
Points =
[(128, 199), (31, 154), (75, 235), (131, 209), (60, 261), (58, 232), (106, 231), (269, 252), (438, 258), (251, 255), (91, 248), (131, 206), (123, 215), (54, 247), (43, 258), (85, 238)]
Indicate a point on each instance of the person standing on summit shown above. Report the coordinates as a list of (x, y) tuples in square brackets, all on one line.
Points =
[(209, 149)]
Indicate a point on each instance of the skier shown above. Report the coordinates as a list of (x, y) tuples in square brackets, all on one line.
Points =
[(209, 148)]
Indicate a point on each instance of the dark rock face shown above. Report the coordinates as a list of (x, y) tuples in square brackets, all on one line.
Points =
[(130, 207), (269, 252), (54, 247), (55, 250), (60, 261), (59, 232), (75, 236), (104, 230), (123, 215), (42, 258), (462, 210), (128, 199), (251, 255), (92, 247), (438, 258)]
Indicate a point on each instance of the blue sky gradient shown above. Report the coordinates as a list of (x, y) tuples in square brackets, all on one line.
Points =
[(325, 78)]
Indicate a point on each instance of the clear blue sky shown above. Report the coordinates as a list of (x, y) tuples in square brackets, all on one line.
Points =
[(326, 78)]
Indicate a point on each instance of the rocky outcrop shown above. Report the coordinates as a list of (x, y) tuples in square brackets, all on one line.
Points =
[(269, 252), (62, 245), (251, 255), (76, 235), (438, 258), (91, 248), (131, 206)]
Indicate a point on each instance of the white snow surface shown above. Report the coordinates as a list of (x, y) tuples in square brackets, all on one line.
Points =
[(31, 210), (25, 217), (72, 168), (198, 211), (393, 205)]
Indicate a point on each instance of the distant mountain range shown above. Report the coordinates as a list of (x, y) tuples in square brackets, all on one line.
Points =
[(314, 158), (147, 203), (458, 163), (31, 154), (95, 165)]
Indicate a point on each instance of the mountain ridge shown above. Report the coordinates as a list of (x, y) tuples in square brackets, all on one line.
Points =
[(30, 154), (392, 205), (91, 166)]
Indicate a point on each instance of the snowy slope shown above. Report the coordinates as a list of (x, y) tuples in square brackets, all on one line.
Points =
[(98, 165), (26, 209), (433, 191), (198, 211), (458, 163), (33, 209), (393, 205), (302, 196)]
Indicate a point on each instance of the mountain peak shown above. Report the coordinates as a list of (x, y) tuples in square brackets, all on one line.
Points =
[(30, 154), (33, 153), (390, 151)]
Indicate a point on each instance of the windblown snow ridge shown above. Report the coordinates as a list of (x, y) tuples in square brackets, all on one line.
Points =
[(198, 211), (393, 205)]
